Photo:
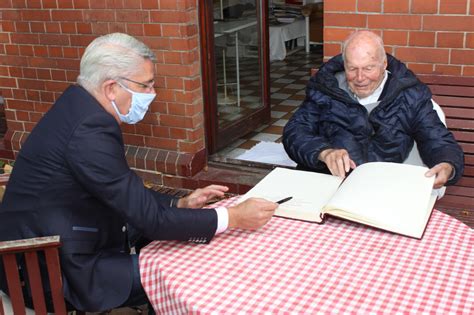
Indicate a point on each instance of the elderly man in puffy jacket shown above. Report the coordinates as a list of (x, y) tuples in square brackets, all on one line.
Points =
[(365, 105)]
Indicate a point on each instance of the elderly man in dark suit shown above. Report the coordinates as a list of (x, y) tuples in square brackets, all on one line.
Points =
[(71, 178)]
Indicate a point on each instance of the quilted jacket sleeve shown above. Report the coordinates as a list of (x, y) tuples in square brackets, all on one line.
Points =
[(435, 142), (301, 136)]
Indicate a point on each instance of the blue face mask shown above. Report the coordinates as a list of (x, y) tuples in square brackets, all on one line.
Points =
[(140, 104)]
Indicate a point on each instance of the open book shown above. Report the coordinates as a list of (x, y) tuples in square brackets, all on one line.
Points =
[(390, 196)]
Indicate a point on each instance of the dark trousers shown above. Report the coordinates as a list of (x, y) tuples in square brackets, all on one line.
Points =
[(137, 294)]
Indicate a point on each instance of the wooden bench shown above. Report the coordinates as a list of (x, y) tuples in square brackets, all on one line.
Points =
[(455, 95)]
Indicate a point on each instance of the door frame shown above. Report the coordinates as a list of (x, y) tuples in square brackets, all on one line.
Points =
[(216, 140)]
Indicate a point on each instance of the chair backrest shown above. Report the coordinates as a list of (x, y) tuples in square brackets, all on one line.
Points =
[(30, 249)]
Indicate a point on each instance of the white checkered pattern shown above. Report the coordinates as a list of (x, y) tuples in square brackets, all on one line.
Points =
[(290, 266)]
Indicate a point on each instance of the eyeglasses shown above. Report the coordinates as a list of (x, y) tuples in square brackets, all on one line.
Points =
[(143, 85)]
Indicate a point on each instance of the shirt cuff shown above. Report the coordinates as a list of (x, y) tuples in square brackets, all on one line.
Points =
[(174, 202), (222, 219)]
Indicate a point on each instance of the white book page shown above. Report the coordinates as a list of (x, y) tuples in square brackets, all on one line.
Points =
[(310, 192), (390, 196)]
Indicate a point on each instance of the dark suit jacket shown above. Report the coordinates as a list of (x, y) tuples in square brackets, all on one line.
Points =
[(71, 178)]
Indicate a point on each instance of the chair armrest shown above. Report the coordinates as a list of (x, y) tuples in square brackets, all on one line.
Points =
[(29, 244)]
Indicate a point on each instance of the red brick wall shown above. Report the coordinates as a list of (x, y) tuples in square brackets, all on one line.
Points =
[(41, 42), (431, 36)]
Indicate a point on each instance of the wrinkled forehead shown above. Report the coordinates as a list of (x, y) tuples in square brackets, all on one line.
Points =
[(363, 55)]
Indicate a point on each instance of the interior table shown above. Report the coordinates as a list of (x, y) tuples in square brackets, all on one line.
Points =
[(281, 33), (291, 266), (232, 28)]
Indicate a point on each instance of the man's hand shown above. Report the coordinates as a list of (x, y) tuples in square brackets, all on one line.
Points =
[(337, 161), (442, 171), (251, 214), (201, 196)]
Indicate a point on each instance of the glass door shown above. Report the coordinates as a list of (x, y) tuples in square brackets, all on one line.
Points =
[(234, 40)]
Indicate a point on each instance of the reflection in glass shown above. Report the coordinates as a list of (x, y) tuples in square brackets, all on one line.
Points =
[(236, 48)]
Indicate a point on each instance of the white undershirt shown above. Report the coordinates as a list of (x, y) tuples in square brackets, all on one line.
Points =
[(374, 97)]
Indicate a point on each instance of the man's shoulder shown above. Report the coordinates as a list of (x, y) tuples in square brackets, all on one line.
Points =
[(417, 92), (404, 83), (76, 105), (76, 96)]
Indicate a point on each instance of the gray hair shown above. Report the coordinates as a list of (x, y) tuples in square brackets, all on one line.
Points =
[(111, 56), (369, 35)]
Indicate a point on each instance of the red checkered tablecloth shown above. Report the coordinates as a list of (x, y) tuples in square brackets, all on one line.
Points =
[(291, 266)]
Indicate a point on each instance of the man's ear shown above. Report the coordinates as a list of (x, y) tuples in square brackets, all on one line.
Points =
[(108, 89)]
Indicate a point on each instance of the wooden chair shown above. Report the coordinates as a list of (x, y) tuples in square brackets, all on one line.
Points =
[(30, 248)]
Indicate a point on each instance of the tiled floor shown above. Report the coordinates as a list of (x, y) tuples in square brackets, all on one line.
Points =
[(288, 82)]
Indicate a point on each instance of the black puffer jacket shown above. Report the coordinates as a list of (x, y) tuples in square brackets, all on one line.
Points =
[(330, 118)]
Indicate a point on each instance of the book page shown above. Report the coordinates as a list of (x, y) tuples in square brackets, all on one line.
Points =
[(310, 192), (390, 196)]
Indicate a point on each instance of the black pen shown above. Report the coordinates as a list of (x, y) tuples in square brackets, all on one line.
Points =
[(284, 200)]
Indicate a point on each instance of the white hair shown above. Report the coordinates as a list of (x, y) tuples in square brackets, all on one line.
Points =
[(369, 35), (111, 56)]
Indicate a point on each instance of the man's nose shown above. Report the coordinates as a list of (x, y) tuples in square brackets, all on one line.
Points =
[(360, 75)]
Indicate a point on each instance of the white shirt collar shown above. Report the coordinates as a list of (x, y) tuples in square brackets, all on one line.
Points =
[(372, 98)]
